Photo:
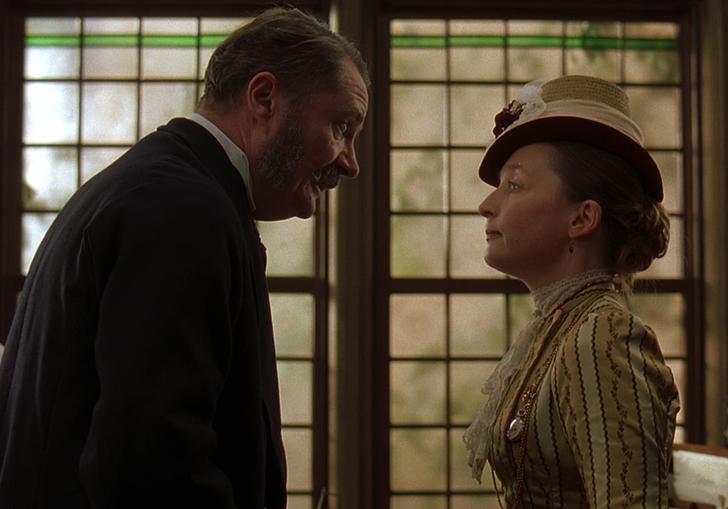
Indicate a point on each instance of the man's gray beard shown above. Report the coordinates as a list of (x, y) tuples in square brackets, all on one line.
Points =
[(282, 158)]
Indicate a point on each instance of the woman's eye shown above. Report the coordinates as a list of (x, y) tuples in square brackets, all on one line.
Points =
[(513, 186)]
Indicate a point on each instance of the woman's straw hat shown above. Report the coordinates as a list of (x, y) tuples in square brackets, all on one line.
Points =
[(571, 108)]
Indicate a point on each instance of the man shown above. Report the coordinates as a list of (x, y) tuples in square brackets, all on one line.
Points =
[(140, 367)]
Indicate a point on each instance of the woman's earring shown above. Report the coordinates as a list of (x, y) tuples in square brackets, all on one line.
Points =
[(571, 247)]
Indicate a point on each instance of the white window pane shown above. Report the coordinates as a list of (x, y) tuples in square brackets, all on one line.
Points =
[(49, 177), (50, 113), (162, 101), (109, 112), (34, 229)]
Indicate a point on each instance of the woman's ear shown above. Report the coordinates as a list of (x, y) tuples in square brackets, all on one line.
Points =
[(586, 220)]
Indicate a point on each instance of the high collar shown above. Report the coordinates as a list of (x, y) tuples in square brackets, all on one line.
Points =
[(550, 297)]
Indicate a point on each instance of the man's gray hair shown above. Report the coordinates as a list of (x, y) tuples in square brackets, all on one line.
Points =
[(301, 51)]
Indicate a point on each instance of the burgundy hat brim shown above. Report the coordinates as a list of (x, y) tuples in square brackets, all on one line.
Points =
[(576, 129)]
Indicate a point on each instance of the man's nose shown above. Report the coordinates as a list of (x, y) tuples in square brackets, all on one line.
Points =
[(347, 160)]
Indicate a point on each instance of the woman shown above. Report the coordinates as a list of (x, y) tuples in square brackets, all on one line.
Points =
[(581, 409)]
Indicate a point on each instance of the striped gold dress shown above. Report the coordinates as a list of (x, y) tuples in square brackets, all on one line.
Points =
[(602, 419)]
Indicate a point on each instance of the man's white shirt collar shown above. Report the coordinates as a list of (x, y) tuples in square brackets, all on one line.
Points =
[(235, 154)]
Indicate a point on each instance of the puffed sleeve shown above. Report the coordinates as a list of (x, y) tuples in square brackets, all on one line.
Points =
[(617, 401)]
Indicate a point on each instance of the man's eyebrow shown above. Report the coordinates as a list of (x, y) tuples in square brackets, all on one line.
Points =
[(355, 114)]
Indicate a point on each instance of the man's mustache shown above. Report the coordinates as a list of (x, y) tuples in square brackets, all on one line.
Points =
[(328, 177)]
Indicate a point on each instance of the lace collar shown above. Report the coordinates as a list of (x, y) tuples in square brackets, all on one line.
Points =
[(547, 298)]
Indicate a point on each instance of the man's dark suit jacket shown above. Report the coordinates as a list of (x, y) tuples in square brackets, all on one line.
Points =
[(140, 368)]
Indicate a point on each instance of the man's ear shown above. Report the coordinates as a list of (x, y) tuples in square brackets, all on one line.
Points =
[(586, 219), (262, 94)]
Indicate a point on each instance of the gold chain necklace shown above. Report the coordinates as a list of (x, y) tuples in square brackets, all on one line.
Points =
[(518, 427)]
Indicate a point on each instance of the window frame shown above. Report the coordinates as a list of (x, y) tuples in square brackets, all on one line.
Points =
[(356, 247), (12, 59), (692, 283)]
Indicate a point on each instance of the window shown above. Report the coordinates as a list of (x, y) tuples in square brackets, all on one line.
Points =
[(450, 317), (381, 359), (92, 87)]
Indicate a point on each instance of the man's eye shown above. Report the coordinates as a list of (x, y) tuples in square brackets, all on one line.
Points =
[(342, 128), (513, 186)]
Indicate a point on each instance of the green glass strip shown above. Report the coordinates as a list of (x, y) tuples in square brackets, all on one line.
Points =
[(650, 44), (169, 41), (400, 41), (52, 40), (596, 43), (532, 41), (211, 41), (104, 40), (110, 40), (421, 41), (491, 41)]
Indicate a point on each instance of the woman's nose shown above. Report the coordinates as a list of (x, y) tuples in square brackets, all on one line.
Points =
[(487, 206)]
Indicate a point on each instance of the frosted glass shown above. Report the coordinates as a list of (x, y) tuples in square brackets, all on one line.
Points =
[(528, 64), (110, 62), (109, 112), (643, 66), (418, 246), (51, 62), (296, 386), (417, 27), (473, 108), (418, 502), (418, 459), (466, 188), (169, 26), (665, 313), (50, 113), (418, 64), (94, 159), (293, 324), (477, 325), (52, 26), (159, 63), (221, 25), (418, 115), (466, 379), (118, 26), (477, 64), (657, 111), (418, 180), (299, 457), (534, 27), (461, 476), (49, 177), (417, 325), (33, 230), (467, 248), (162, 101), (603, 64), (417, 392), (289, 246)]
